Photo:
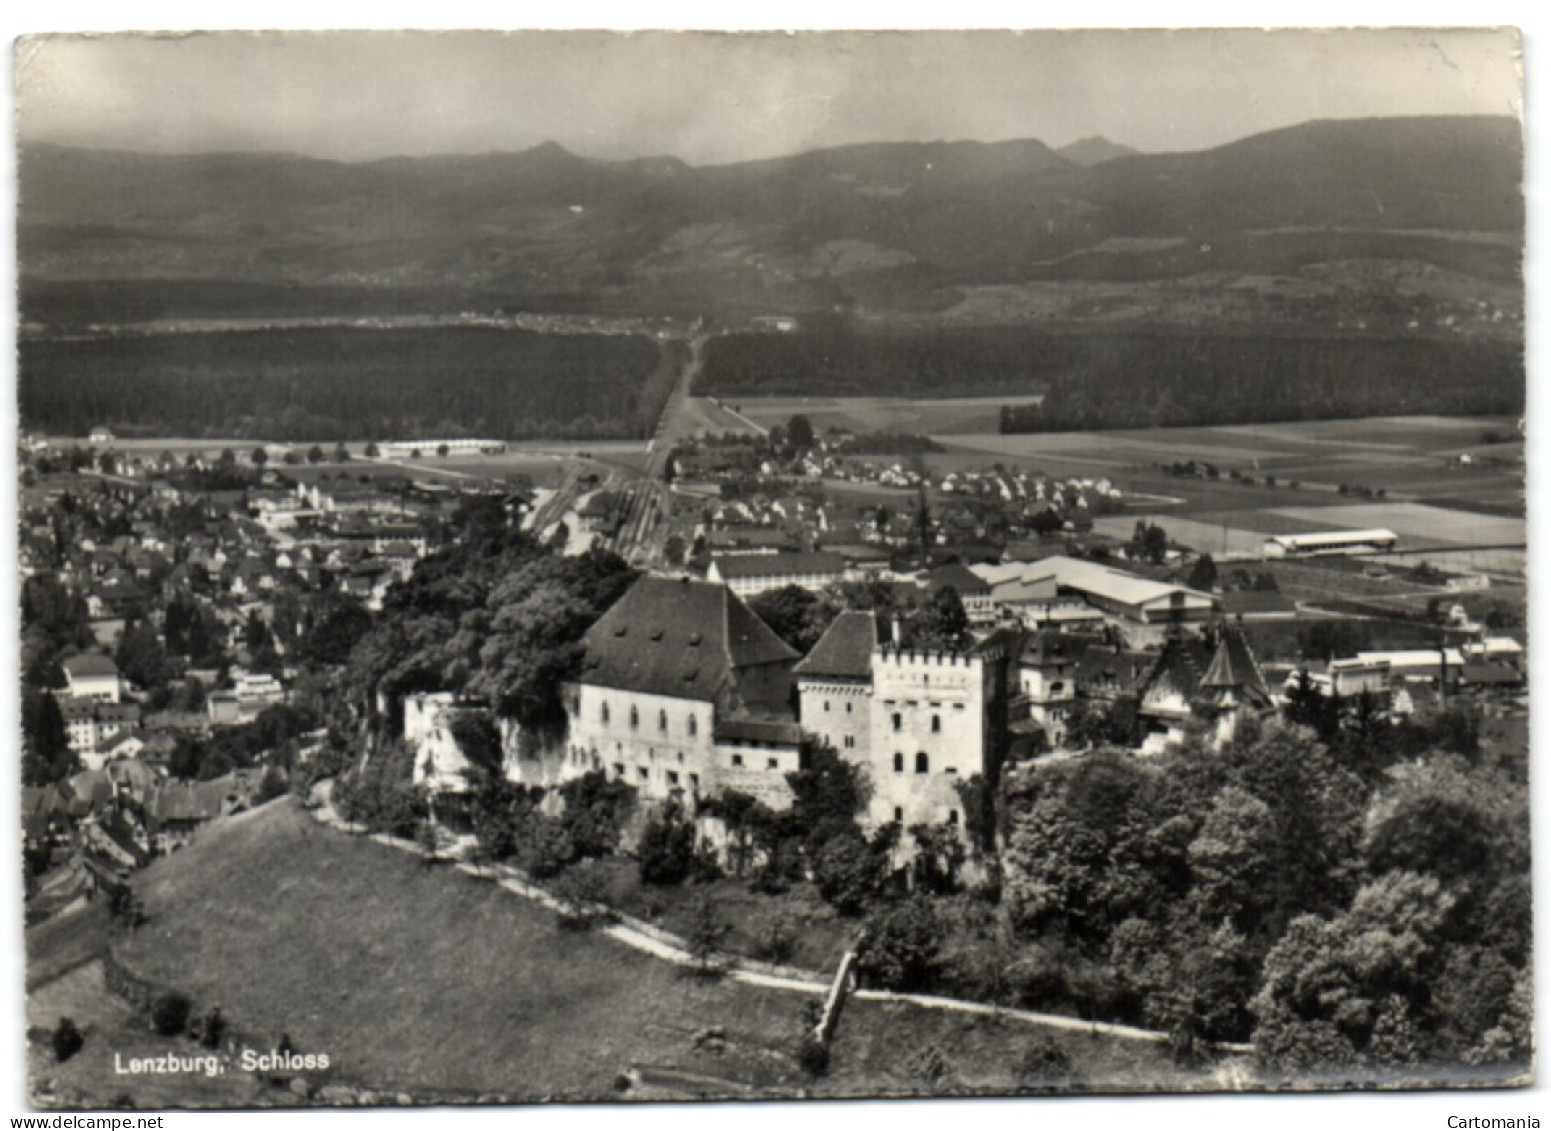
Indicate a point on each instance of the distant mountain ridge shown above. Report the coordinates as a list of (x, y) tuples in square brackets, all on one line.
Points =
[(872, 224), (1092, 150)]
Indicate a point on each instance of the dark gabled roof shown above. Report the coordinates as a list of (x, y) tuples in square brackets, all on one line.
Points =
[(958, 576), (89, 664), (779, 565), (1234, 668), (1181, 665), (845, 650), (680, 638)]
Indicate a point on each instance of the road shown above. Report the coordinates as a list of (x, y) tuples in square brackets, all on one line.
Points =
[(647, 499)]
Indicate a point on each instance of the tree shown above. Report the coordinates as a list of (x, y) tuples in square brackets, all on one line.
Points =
[(1230, 858), (258, 457), (827, 795), (674, 549), (315, 454), (170, 1013), (939, 856), (1044, 1065), (341, 453), (849, 872), (706, 938), (66, 1040), (47, 757), (902, 946), (799, 432), (667, 847), (442, 450), (942, 621), (372, 450), (797, 615), (1357, 987), (140, 656), (1203, 574)]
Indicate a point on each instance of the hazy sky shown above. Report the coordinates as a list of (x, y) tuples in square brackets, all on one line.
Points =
[(712, 98)]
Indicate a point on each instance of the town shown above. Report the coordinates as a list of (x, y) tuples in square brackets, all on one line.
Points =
[(823, 631)]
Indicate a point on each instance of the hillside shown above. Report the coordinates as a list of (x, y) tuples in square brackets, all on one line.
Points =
[(422, 979), (885, 226)]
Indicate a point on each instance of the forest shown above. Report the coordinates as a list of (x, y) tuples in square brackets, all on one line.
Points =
[(1130, 378), (308, 384), (1202, 380)]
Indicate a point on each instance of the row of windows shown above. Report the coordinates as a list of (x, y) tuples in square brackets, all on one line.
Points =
[(899, 722), (770, 763), (923, 764), (662, 719), (669, 777)]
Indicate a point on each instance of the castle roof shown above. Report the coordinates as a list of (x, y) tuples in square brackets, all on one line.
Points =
[(845, 650), (1235, 669), (680, 638)]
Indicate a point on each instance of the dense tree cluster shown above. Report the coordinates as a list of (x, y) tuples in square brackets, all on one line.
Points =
[(306, 383), (1161, 379), (1271, 891)]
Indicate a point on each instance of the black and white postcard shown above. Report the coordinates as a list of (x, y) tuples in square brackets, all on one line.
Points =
[(567, 566)]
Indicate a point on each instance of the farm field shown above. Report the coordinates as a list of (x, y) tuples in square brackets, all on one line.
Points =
[(1203, 537), (1417, 523), (952, 415), (1409, 458)]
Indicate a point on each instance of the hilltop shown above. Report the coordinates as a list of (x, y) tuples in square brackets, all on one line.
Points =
[(1092, 150), (429, 981)]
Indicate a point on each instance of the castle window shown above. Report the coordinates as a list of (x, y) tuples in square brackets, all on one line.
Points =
[(848, 708), (643, 773), (673, 777), (923, 765), (605, 712), (694, 726), (899, 763), (694, 783), (850, 741), (737, 759), (635, 717), (826, 706), (950, 769), (662, 721), (936, 724), (772, 763), (899, 815), (619, 770), (898, 721), (953, 816)]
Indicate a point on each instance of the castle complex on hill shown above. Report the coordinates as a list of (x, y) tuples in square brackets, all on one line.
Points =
[(686, 694)]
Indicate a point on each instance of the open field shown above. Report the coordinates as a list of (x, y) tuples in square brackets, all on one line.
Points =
[(881, 414), (1203, 537), (345, 944), (1410, 458), (1417, 523)]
